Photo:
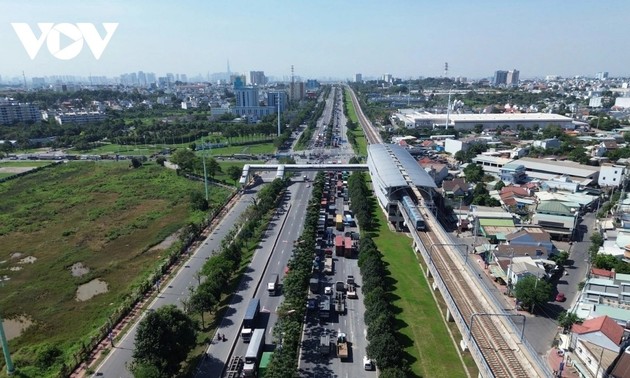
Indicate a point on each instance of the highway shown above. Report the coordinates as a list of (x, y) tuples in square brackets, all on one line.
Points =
[(312, 363), (115, 363), (271, 258)]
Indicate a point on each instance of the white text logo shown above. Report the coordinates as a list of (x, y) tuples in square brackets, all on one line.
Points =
[(75, 33)]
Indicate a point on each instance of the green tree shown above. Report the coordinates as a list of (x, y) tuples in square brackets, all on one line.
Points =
[(160, 160), (478, 128), (213, 167), (234, 173), (164, 339), (567, 319), (531, 291), (499, 185), (473, 173), (136, 163), (185, 159), (198, 201)]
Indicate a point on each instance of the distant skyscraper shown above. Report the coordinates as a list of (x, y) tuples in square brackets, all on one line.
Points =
[(512, 78), (602, 75), (297, 90), (358, 78), (257, 78), (500, 77), (387, 78), (183, 78)]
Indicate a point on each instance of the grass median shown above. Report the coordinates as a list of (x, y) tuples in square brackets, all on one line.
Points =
[(425, 336)]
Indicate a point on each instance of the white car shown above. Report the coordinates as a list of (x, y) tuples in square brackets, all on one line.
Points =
[(367, 363), (328, 290)]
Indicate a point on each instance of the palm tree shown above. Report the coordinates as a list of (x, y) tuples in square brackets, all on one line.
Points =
[(567, 319)]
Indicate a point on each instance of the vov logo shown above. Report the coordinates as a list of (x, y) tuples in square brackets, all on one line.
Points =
[(76, 33)]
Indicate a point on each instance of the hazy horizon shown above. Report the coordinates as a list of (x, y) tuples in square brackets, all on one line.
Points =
[(330, 39)]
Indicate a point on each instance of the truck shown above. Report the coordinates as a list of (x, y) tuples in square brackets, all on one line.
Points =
[(339, 223), (264, 363), (340, 303), (328, 265), (273, 284), (324, 345), (348, 247), (324, 307), (249, 320), (351, 291), (342, 346), (254, 353), (313, 285), (340, 286), (339, 250)]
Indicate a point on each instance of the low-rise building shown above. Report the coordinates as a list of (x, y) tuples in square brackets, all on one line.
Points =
[(513, 173), (611, 175), (596, 344), (546, 143)]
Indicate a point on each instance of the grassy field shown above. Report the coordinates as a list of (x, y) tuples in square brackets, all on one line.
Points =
[(102, 214), (238, 163), (19, 164), (258, 148), (424, 335), (120, 149), (361, 147)]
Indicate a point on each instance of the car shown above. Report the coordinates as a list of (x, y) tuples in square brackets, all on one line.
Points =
[(311, 304), (328, 290), (560, 297), (367, 363)]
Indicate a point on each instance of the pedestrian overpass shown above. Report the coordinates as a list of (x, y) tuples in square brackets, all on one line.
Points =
[(281, 169)]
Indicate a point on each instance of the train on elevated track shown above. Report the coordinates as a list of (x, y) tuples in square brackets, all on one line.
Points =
[(412, 210)]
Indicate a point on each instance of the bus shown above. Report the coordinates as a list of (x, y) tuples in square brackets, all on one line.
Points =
[(254, 352)]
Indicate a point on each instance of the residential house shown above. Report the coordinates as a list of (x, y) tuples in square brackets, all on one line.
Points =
[(456, 188), (513, 173), (596, 344), (611, 175), (437, 171), (621, 367), (517, 199), (557, 218), (532, 236), (491, 222), (546, 143)]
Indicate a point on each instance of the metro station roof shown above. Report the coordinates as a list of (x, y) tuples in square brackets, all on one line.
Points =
[(390, 160)]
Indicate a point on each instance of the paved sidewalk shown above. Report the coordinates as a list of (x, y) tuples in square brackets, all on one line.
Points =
[(554, 359)]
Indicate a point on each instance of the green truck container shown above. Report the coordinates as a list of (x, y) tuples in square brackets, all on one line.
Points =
[(264, 362)]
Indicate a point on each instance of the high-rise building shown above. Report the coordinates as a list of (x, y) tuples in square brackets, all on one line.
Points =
[(602, 75), (512, 78), (12, 112), (246, 96), (257, 78), (297, 90), (500, 77), (387, 78), (358, 78), (274, 97)]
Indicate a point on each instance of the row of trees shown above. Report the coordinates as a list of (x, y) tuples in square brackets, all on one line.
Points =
[(288, 329), (361, 205), (311, 125), (166, 337), (379, 316)]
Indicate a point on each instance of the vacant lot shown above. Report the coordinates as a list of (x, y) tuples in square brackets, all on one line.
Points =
[(103, 215), (361, 147)]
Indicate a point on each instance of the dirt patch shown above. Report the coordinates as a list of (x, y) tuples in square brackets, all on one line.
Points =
[(15, 169), (78, 269), (166, 243), (28, 260), (14, 327), (16, 255), (91, 289)]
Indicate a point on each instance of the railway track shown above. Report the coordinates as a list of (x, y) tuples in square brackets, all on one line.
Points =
[(502, 359)]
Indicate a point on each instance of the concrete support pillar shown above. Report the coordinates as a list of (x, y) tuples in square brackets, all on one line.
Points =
[(429, 273), (449, 316)]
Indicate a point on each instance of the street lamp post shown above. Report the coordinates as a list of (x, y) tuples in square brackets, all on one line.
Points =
[(509, 278)]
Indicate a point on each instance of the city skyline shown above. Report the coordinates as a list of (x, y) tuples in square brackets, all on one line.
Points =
[(328, 39)]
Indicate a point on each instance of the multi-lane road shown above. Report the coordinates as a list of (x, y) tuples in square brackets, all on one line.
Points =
[(172, 292)]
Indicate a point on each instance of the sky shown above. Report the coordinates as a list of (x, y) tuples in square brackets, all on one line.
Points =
[(325, 38)]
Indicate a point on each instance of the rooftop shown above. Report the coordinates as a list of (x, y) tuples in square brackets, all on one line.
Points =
[(565, 167), (390, 159), (603, 324)]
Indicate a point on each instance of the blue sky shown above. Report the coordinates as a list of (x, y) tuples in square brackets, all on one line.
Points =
[(331, 38)]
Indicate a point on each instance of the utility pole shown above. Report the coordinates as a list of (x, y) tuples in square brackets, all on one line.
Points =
[(5, 350), (205, 172), (278, 101)]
